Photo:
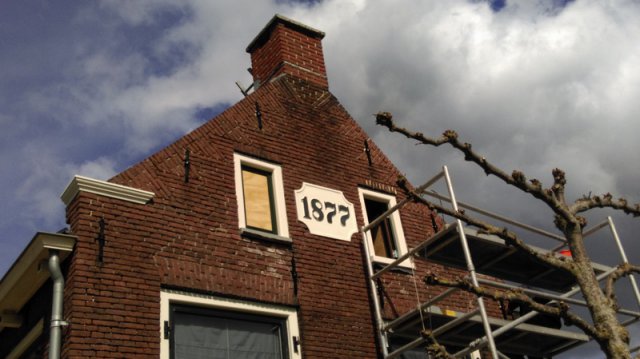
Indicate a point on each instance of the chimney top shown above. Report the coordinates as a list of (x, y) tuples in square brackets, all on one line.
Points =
[(264, 34), (285, 46)]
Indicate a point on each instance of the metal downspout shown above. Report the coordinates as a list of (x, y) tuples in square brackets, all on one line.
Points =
[(55, 338)]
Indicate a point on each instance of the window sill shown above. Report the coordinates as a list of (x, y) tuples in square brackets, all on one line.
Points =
[(405, 267), (264, 236)]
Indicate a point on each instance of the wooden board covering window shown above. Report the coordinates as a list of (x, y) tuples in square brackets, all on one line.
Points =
[(258, 199)]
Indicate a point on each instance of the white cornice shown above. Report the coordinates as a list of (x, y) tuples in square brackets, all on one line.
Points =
[(103, 188)]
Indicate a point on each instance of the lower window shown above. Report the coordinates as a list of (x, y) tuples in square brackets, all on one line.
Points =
[(207, 333), (196, 326)]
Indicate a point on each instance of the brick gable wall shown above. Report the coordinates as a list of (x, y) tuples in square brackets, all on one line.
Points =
[(188, 238)]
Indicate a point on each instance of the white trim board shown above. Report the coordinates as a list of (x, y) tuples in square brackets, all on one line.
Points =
[(85, 184)]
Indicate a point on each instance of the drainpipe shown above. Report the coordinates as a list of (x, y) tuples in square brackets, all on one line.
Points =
[(56, 306)]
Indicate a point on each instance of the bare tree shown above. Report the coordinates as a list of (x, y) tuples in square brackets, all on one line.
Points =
[(606, 329)]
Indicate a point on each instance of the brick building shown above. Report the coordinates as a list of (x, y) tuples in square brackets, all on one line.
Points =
[(240, 237)]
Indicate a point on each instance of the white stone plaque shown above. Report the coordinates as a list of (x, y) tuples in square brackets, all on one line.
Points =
[(325, 211)]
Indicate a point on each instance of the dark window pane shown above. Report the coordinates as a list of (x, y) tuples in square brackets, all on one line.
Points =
[(384, 243), (198, 337), (200, 334), (253, 340)]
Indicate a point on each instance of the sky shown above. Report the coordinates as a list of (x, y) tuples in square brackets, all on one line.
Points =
[(92, 88)]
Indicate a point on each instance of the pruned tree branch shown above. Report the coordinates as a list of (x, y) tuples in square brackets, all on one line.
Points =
[(435, 349), (607, 330), (509, 237), (553, 197), (606, 201), (621, 271), (559, 183), (560, 310)]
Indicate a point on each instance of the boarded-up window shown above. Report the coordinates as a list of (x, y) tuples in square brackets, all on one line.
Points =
[(258, 199)]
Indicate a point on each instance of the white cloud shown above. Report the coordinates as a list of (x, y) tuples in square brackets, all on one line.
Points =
[(101, 168), (519, 83), (139, 12), (208, 39)]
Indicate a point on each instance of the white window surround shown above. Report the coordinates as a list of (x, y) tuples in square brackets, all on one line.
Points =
[(278, 191), (395, 224), (167, 298)]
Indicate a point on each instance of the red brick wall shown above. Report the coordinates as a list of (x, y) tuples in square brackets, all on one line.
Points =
[(112, 308), (188, 236)]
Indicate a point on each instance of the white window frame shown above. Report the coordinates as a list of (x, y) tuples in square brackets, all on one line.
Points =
[(278, 191), (396, 225), (168, 298)]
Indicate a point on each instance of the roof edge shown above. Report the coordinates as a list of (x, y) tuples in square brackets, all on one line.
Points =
[(27, 275)]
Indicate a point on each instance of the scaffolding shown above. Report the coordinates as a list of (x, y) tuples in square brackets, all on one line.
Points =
[(479, 253)]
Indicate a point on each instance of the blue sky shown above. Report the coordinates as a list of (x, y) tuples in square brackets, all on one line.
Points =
[(93, 87)]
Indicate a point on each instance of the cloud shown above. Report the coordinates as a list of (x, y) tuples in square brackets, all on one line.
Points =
[(102, 168), (117, 81), (526, 86), (151, 88)]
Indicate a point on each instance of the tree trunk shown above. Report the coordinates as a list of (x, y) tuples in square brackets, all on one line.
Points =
[(612, 336)]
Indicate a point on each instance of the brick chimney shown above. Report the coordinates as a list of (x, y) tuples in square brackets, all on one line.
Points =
[(285, 46)]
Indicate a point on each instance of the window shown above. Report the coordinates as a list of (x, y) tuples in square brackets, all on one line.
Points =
[(207, 333), (260, 196), (257, 188), (386, 240), (197, 326), (382, 238)]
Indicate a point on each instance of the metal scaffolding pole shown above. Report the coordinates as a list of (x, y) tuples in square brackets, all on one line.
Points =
[(382, 337), (481, 342), (407, 255), (383, 329), (550, 296), (470, 267), (423, 306), (498, 217), (442, 329), (624, 258), (380, 328)]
